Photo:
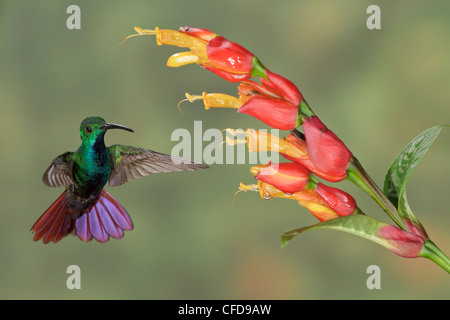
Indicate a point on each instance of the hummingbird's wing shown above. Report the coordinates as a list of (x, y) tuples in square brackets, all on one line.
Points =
[(128, 163), (59, 173)]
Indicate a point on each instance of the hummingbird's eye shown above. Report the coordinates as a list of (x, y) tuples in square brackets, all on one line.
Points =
[(88, 129)]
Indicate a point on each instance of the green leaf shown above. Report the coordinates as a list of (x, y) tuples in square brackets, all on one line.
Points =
[(406, 162), (359, 224), (400, 172)]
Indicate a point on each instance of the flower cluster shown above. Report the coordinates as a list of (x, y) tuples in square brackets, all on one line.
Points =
[(315, 153), (295, 180), (277, 102)]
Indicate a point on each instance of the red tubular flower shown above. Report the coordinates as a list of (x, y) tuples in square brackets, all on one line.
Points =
[(235, 63), (264, 101), (341, 202), (278, 114), (303, 158), (315, 204), (274, 103), (325, 150), (227, 59), (287, 177)]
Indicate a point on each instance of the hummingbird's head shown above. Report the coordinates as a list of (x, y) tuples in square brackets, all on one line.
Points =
[(94, 127)]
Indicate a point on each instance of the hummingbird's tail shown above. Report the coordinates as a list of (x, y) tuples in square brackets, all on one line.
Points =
[(55, 223), (105, 218)]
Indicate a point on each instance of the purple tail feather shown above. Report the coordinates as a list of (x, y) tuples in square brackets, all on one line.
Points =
[(107, 218)]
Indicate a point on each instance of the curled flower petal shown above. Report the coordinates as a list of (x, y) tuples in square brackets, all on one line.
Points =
[(287, 177), (315, 204), (182, 58), (287, 90), (340, 201), (306, 198)]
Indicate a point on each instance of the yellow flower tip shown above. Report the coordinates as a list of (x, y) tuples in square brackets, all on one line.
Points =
[(221, 100), (190, 98), (234, 132), (256, 169), (182, 58), (263, 141), (179, 106), (250, 187), (141, 32), (243, 187), (268, 192)]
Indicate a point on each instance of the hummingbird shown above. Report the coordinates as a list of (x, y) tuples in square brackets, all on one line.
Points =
[(85, 208)]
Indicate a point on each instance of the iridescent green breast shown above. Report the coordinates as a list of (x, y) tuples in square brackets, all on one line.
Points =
[(91, 168)]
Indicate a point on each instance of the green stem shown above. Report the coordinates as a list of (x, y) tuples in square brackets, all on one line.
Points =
[(305, 109), (357, 175), (312, 182), (432, 252)]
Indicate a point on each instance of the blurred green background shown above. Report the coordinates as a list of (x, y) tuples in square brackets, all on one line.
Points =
[(377, 89)]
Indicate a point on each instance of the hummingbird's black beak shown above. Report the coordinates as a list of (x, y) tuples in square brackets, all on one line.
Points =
[(108, 126)]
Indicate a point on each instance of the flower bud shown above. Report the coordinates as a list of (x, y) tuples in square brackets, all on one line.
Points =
[(325, 150), (403, 243)]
